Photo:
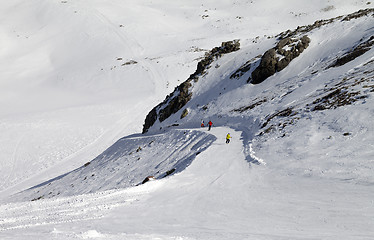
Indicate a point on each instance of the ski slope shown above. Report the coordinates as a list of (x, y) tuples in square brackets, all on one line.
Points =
[(77, 79), (76, 76), (219, 196)]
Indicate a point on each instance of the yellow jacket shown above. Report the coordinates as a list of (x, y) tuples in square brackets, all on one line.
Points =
[(228, 136)]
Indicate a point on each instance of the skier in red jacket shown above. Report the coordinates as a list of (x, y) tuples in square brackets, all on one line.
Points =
[(210, 125)]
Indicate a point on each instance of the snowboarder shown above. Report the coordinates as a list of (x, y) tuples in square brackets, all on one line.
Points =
[(210, 125), (228, 136), (202, 123)]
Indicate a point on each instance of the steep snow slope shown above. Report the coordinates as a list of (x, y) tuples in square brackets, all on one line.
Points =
[(314, 116), (76, 76), (299, 166), (128, 162)]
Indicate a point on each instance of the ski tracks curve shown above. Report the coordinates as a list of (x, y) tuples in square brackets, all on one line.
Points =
[(80, 208)]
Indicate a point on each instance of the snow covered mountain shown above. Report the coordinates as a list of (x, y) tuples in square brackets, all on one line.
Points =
[(297, 103)]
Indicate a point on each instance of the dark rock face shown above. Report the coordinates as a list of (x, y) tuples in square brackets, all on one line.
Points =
[(359, 50), (291, 54), (176, 103), (150, 119), (181, 95), (217, 52), (288, 49), (266, 68)]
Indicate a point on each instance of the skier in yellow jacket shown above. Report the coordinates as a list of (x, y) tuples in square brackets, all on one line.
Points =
[(228, 136)]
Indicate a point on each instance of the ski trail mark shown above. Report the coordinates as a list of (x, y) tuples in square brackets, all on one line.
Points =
[(13, 160), (67, 209)]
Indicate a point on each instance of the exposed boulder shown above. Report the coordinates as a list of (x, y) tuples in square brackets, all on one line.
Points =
[(277, 58), (293, 53), (266, 68)]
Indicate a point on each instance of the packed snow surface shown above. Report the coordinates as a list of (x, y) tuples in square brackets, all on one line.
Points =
[(77, 79)]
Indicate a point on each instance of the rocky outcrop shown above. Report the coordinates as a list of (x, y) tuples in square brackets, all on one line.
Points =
[(359, 50), (277, 58), (217, 52), (267, 67), (272, 62), (182, 95), (293, 53), (305, 29)]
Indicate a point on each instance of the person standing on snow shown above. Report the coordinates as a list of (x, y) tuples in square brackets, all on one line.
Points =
[(228, 136), (202, 123), (210, 125)]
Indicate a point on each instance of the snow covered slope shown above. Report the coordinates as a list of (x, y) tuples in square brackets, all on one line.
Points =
[(300, 162), (315, 114), (219, 196), (76, 76), (128, 162)]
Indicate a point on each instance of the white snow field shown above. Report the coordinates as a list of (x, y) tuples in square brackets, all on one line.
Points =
[(78, 77), (219, 196)]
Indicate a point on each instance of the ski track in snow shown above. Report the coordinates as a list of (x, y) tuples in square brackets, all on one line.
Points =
[(14, 160), (320, 188), (51, 212), (65, 210)]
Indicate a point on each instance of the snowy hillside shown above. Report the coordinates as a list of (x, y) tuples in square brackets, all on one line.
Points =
[(323, 99), (79, 78), (129, 161), (78, 75)]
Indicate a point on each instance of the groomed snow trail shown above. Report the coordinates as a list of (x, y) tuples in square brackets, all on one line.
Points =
[(216, 172), (198, 203), (219, 196)]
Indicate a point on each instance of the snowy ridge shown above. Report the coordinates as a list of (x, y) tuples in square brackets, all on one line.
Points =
[(127, 163), (93, 206)]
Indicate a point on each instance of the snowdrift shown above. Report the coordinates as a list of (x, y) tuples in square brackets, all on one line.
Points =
[(127, 163)]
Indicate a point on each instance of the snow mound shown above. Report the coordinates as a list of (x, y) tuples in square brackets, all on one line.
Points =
[(126, 163)]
